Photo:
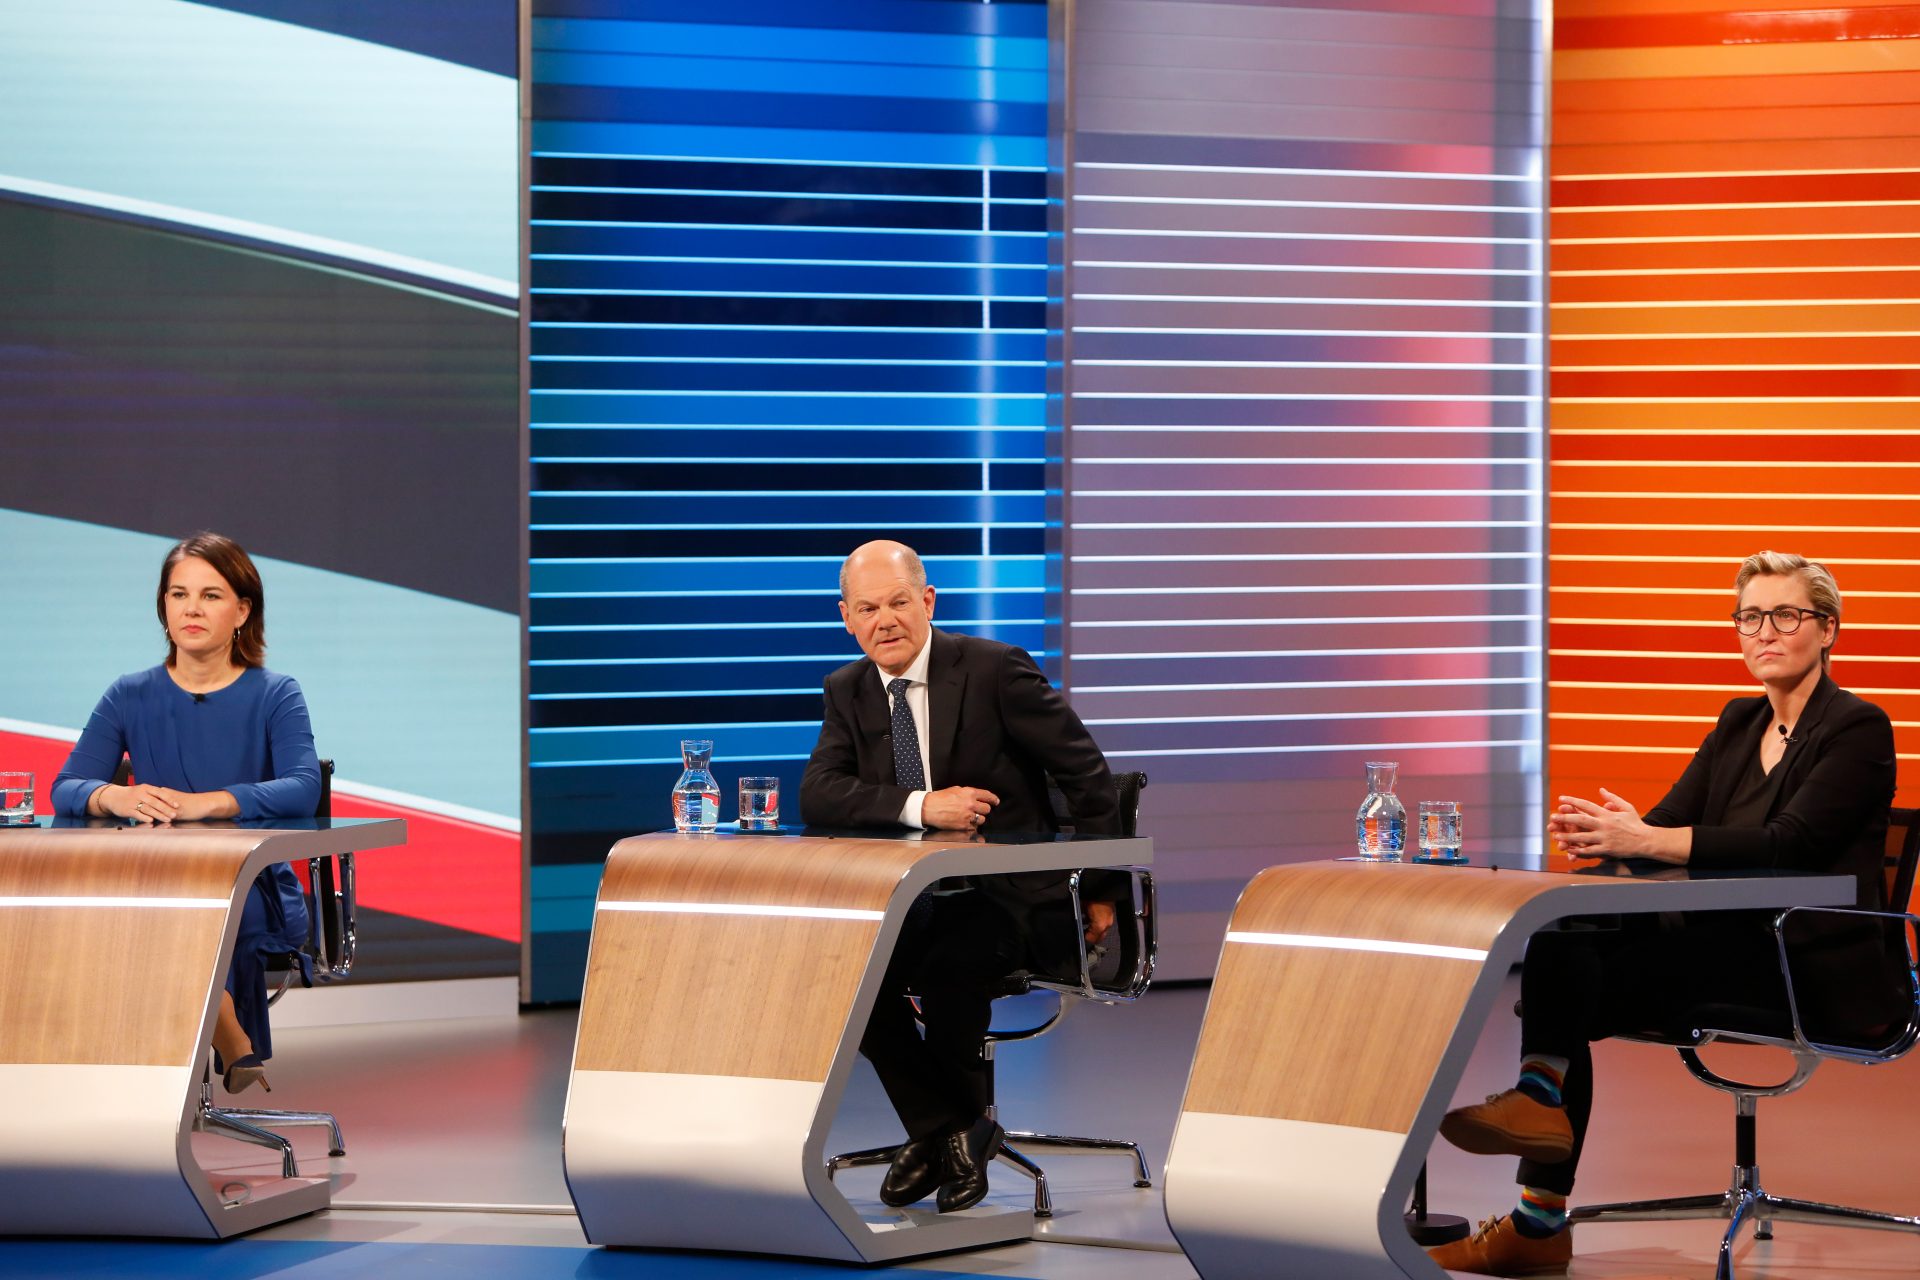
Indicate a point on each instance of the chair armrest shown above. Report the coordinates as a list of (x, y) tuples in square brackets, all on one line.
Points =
[(1140, 919), (333, 936), (1908, 1035)]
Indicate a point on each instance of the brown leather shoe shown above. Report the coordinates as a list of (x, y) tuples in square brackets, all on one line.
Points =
[(1511, 1124), (1496, 1249)]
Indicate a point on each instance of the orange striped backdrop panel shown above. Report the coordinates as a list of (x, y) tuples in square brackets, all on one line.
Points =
[(1734, 360)]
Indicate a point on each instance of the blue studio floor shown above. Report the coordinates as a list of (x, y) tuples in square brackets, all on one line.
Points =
[(253, 1259), (454, 1167)]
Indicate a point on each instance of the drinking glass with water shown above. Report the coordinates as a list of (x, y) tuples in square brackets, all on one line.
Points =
[(759, 804), (16, 797), (1440, 832)]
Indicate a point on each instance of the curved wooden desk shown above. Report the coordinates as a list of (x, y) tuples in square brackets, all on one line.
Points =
[(728, 982), (114, 947), (1348, 999)]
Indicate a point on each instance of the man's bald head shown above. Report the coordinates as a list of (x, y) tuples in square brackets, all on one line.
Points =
[(886, 603), (900, 557)]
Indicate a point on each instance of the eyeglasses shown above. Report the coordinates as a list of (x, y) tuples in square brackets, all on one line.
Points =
[(1786, 619)]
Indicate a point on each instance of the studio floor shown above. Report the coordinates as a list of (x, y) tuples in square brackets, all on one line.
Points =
[(454, 1165)]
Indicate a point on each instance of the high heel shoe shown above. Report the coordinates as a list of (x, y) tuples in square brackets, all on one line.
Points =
[(242, 1073)]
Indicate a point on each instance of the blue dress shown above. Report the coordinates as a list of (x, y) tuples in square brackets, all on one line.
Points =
[(252, 739)]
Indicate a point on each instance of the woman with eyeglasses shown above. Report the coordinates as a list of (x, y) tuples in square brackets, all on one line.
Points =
[(1799, 777)]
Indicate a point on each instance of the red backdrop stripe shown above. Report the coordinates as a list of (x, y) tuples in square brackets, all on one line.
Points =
[(453, 873)]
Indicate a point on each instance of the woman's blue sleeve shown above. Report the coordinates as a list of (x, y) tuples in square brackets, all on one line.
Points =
[(95, 758), (294, 789)]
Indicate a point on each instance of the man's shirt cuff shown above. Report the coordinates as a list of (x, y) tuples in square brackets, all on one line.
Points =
[(910, 811)]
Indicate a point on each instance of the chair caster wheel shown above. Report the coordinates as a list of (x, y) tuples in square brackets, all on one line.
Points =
[(1142, 1182)]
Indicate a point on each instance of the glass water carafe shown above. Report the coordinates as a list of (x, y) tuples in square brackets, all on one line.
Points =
[(696, 797), (1380, 828)]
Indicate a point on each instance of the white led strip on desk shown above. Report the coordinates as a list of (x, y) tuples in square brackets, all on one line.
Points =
[(745, 909), (1357, 944), (54, 900)]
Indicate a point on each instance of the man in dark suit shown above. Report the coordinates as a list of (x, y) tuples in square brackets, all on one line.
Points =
[(949, 732)]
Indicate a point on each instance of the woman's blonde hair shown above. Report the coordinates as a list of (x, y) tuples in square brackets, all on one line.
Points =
[(1822, 591)]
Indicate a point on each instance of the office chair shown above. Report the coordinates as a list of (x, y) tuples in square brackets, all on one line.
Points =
[(1117, 971), (326, 957), (1881, 1037)]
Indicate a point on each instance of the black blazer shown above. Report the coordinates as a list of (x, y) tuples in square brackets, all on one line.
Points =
[(1833, 788), (994, 722)]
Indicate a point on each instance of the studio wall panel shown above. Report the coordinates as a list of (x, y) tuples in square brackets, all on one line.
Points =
[(1302, 425), (1735, 361), (258, 275), (788, 283)]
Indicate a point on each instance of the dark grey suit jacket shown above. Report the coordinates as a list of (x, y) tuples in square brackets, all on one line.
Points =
[(993, 722)]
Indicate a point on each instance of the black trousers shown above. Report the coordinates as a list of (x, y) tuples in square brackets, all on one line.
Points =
[(955, 952), (1578, 986)]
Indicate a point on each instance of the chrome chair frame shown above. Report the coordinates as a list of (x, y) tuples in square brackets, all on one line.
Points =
[(1135, 986), (1745, 1200), (330, 896)]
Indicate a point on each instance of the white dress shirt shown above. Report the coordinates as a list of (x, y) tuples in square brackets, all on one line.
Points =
[(916, 695)]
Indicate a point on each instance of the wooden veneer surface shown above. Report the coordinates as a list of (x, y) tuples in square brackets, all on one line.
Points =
[(732, 995), (1346, 1037), (118, 985)]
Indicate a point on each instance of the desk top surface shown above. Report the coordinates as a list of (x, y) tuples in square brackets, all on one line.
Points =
[(47, 822), (77, 841), (901, 834), (1609, 868)]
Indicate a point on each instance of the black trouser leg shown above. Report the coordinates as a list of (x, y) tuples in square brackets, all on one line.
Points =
[(892, 1044), (1579, 986), (955, 961), (892, 1040), (1561, 988), (974, 945)]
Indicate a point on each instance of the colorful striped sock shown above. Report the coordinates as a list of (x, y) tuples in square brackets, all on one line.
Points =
[(1540, 1213), (1541, 1075)]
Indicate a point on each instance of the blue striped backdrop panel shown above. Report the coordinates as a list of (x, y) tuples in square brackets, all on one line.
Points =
[(787, 292)]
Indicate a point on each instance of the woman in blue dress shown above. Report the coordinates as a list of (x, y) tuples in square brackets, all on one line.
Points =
[(210, 734)]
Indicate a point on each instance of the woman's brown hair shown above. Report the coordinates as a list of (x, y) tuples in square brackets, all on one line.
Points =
[(230, 560)]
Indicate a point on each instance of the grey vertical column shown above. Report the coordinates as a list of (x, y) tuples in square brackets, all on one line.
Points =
[(1302, 447)]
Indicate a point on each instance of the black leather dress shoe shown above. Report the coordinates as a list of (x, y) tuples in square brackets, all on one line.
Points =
[(917, 1168), (969, 1152)]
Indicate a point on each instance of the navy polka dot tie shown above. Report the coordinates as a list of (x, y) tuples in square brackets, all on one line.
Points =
[(906, 739)]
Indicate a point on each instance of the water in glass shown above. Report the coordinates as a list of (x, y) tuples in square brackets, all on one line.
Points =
[(16, 796), (759, 804), (1440, 832), (696, 797), (1380, 828)]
